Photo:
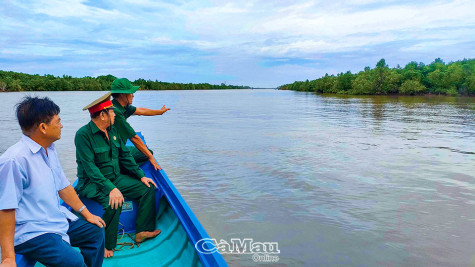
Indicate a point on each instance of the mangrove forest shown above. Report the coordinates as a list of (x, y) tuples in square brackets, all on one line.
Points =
[(455, 78), (14, 81)]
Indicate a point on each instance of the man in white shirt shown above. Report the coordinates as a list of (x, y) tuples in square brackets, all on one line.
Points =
[(32, 182)]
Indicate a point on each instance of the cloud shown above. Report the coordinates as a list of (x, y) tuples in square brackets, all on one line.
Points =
[(245, 41), (73, 8)]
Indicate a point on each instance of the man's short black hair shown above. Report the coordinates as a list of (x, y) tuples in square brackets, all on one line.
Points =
[(32, 111), (115, 95), (96, 114)]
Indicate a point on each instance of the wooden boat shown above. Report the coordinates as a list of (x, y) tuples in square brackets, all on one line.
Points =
[(175, 246)]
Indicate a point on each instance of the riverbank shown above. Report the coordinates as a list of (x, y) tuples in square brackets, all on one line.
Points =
[(437, 78), (339, 94), (17, 82)]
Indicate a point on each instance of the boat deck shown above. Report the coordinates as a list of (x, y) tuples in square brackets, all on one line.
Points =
[(171, 248)]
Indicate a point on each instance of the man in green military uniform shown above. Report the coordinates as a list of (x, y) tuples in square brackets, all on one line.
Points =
[(107, 172), (123, 93)]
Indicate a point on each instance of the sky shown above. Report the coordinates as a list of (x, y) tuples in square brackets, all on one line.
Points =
[(258, 43)]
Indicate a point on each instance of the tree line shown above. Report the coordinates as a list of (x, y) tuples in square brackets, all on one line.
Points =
[(16, 81), (455, 78)]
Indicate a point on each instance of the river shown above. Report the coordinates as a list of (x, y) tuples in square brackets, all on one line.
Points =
[(360, 181)]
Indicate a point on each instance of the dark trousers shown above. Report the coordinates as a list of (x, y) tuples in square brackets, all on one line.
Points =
[(51, 250), (133, 189)]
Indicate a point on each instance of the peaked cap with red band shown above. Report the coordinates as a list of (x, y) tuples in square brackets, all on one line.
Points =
[(99, 104)]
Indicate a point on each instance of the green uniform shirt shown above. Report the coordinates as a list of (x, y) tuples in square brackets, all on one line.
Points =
[(99, 160), (121, 115)]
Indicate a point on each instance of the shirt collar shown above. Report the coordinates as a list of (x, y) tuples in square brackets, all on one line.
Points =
[(32, 145), (118, 106), (94, 127)]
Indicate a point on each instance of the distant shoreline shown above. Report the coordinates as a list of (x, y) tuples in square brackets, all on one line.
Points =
[(140, 90), (363, 95), (387, 95), (17, 82)]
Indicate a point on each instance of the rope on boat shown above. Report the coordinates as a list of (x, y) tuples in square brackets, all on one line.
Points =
[(124, 244)]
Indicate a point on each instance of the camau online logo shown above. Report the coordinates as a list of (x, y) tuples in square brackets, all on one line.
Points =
[(261, 251)]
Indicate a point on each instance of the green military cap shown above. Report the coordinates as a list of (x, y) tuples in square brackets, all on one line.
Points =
[(123, 86), (99, 104)]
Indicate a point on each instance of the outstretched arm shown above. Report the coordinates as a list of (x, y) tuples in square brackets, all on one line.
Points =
[(7, 233), (139, 144), (151, 112)]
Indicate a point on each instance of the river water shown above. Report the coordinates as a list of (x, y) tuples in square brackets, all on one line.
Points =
[(360, 181)]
